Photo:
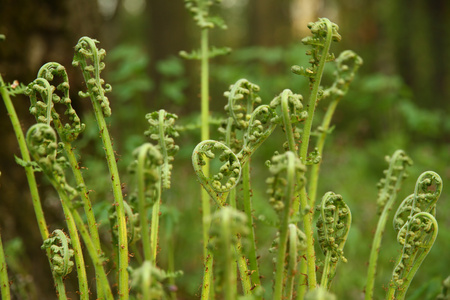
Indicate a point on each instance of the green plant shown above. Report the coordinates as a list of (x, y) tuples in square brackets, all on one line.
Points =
[(223, 167)]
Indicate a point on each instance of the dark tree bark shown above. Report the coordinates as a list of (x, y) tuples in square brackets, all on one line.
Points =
[(36, 32)]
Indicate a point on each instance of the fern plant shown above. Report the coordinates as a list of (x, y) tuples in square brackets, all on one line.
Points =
[(223, 167)]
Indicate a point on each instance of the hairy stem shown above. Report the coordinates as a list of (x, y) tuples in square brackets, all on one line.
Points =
[(308, 213), (252, 257), (4, 282)]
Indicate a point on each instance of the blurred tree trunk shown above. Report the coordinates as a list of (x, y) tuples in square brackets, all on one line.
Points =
[(36, 32), (418, 32), (269, 22)]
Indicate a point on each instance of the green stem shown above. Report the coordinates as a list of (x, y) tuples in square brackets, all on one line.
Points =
[(314, 177), (242, 263), (326, 271), (143, 217), (60, 289), (76, 244), (376, 244), (292, 265), (42, 224), (303, 282), (207, 274), (87, 204), (307, 217), (155, 223), (206, 206), (252, 257), (117, 190), (230, 266), (284, 230), (29, 172), (4, 281)]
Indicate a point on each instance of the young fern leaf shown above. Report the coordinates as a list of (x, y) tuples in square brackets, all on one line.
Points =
[(147, 168), (287, 178), (228, 227), (394, 176), (89, 58), (242, 97), (416, 231), (321, 31), (42, 143), (261, 125), (163, 131), (291, 113), (199, 10), (49, 71), (417, 237), (333, 227), (227, 177), (149, 282), (389, 186), (62, 255)]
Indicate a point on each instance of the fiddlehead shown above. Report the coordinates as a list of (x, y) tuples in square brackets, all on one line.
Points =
[(242, 97), (227, 175), (417, 230), (291, 113), (417, 237), (389, 186), (149, 281), (163, 131), (61, 258), (394, 176), (199, 10), (89, 58), (42, 143), (288, 178), (147, 167), (261, 125), (228, 227), (333, 227), (347, 65), (426, 194), (278, 183), (323, 32), (42, 110), (49, 71)]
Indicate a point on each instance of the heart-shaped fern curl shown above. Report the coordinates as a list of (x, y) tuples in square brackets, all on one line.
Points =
[(61, 257), (162, 130), (333, 227), (229, 169), (89, 58)]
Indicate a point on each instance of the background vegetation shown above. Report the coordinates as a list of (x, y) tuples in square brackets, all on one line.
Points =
[(399, 100)]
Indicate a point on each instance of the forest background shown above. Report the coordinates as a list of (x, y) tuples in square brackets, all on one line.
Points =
[(399, 99)]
